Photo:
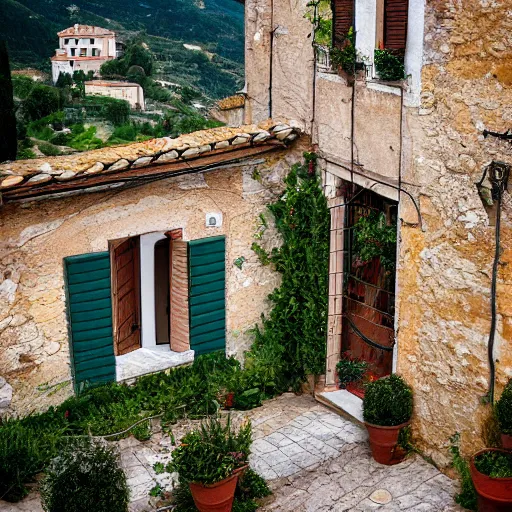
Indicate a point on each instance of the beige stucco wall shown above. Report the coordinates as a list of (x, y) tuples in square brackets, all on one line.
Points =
[(133, 94), (36, 236), (444, 272)]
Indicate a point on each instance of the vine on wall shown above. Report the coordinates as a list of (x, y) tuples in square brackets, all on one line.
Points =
[(295, 330)]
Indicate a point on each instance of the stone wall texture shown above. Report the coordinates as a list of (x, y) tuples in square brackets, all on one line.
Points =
[(36, 236), (438, 153)]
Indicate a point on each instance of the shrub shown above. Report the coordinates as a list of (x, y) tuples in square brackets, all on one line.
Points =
[(504, 409), (85, 476), (22, 86), (350, 370), (212, 452), (345, 57), (389, 66), (24, 452), (43, 129), (60, 139), (388, 402), (117, 111), (42, 101), (494, 464), (49, 149)]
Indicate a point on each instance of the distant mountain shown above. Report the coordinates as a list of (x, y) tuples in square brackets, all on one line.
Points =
[(30, 28)]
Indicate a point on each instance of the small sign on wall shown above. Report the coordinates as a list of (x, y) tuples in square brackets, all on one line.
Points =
[(213, 220)]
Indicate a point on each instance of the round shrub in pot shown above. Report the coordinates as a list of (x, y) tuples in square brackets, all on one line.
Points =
[(387, 408), (210, 460), (491, 472), (504, 415)]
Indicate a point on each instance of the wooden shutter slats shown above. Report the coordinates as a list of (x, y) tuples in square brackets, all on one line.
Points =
[(395, 24), (343, 18), (179, 314)]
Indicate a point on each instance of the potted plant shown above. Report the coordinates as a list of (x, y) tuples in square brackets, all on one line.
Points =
[(210, 460), (387, 408), (491, 472), (504, 416), (350, 372)]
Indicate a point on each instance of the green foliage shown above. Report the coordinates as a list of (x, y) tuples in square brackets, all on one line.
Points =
[(344, 55), (24, 451), (251, 485), (350, 370), (85, 476), (320, 14), (494, 464), (86, 140), (212, 452), (388, 401), (22, 86), (117, 111), (41, 102), (64, 80), (467, 497), (503, 409), (373, 238), (24, 150), (389, 66), (48, 149), (295, 330), (43, 129)]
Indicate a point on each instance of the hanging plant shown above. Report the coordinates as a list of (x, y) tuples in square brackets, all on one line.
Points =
[(374, 238), (345, 57), (389, 66)]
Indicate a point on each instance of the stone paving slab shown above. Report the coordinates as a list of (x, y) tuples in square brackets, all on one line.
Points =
[(314, 460)]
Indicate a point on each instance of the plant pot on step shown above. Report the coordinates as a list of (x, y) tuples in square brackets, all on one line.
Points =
[(216, 497), (506, 441), (384, 443), (494, 494)]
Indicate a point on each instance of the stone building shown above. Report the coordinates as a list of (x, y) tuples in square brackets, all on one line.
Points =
[(130, 92), (119, 262), (415, 150), (83, 48)]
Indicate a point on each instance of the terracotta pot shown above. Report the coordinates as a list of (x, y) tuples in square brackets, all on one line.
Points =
[(494, 494), (383, 442), (506, 441), (216, 497), (230, 400)]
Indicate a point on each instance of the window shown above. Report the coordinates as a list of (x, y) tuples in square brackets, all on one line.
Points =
[(343, 19), (391, 31), (96, 52), (153, 282), (83, 52), (73, 50), (66, 41), (91, 41)]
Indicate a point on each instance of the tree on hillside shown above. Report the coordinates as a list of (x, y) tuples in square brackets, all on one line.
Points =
[(8, 138), (42, 101)]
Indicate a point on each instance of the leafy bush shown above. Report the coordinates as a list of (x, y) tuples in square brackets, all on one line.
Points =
[(495, 464), (85, 476), (22, 86), (504, 409), (389, 66), (295, 329), (467, 497), (60, 139), (24, 451), (117, 111), (86, 140), (388, 401), (48, 149), (43, 129), (212, 452), (40, 102), (350, 370)]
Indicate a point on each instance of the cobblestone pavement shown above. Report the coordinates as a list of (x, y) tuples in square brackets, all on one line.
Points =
[(314, 460)]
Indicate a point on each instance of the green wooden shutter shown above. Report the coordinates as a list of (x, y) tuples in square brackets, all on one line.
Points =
[(89, 306), (207, 304)]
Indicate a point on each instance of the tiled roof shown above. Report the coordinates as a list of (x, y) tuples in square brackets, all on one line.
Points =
[(85, 30), (27, 178), (231, 102)]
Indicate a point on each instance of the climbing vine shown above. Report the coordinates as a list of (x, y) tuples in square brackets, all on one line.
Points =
[(295, 329)]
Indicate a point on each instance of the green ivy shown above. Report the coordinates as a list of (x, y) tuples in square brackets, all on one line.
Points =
[(373, 238), (467, 497), (389, 66), (504, 409), (295, 330)]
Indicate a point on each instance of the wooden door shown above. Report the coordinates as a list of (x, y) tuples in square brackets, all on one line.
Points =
[(126, 294)]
